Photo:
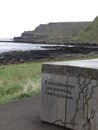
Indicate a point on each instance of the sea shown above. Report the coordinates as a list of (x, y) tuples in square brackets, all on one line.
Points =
[(11, 46), (7, 45)]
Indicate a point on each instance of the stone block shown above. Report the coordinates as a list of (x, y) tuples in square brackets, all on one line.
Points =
[(69, 95)]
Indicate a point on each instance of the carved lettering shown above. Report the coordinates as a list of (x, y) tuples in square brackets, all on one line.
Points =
[(58, 89)]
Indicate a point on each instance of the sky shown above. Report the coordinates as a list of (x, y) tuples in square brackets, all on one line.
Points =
[(17, 16)]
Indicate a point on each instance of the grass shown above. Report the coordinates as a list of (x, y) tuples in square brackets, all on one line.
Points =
[(89, 34), (19, 80)]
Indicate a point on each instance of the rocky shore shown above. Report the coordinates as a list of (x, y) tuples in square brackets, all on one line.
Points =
[(52, 53)]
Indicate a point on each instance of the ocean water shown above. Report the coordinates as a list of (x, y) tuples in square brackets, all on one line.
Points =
[(11, 46)]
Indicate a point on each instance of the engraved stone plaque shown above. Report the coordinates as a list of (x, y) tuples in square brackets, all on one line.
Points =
[(69, 95)]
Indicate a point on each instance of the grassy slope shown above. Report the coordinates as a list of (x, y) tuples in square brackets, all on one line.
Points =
[(90, 34), (55, 31), (62, 32), (67, 29), (19, 80)]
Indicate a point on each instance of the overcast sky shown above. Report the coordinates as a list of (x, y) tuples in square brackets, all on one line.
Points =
[(17, 16)]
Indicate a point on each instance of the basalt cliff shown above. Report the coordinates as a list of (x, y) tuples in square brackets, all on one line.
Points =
[(62, 32), (53, 32)]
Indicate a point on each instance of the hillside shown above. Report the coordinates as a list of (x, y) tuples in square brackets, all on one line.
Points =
[(89, 34), (53, 32)]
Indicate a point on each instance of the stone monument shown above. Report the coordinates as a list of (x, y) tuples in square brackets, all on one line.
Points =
[(70, 94)]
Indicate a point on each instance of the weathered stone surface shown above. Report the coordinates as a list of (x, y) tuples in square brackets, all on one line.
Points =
[(70, 94)]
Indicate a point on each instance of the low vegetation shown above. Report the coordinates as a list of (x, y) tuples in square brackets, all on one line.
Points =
[(90, 33), (19, 80)]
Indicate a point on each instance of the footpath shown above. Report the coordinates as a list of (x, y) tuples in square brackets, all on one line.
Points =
[(24, 114)]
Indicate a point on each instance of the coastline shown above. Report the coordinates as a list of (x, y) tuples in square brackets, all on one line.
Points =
[(51, 54)]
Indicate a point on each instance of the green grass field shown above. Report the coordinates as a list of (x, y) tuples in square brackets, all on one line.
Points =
[(19, 80)]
